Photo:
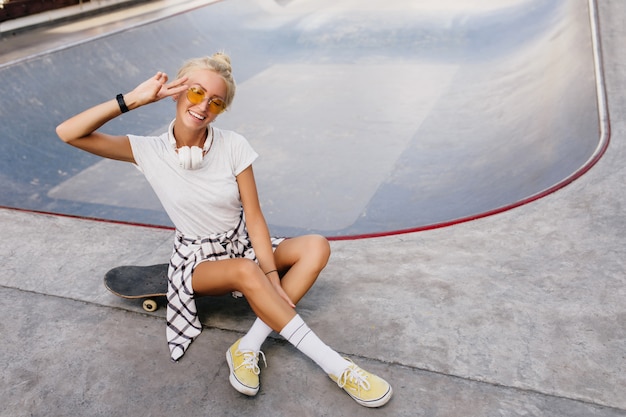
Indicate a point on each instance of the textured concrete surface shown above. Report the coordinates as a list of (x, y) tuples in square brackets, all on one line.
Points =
[(518, 314)]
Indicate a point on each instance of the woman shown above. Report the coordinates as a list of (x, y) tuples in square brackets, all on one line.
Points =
[(203, 177)]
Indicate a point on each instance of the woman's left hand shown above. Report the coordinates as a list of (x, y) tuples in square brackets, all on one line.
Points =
[(282, 293)]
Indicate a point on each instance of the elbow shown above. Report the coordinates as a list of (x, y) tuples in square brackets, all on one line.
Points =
[(62, 133)]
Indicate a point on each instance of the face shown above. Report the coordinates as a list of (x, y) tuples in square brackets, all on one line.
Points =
[(200, 104)]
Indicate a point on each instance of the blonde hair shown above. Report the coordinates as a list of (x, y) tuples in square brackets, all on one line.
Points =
[(219, 63)]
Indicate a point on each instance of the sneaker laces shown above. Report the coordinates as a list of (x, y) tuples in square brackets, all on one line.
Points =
[(353, 374), (251, 360)]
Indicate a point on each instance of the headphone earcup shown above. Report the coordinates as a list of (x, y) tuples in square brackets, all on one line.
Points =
[(190, 158), (196, 157), (184, 157)]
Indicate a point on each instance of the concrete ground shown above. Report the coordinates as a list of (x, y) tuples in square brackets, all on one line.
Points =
[(517, 314)]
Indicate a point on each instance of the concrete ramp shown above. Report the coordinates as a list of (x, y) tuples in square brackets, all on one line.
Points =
[(369, 118)]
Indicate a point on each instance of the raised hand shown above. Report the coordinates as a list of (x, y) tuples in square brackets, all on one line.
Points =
[(156, 88)]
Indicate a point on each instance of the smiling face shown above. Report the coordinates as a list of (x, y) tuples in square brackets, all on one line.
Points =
[(197, 116)]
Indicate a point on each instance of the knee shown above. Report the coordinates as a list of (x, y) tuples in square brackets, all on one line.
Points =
[(249, 275), (318, 248)]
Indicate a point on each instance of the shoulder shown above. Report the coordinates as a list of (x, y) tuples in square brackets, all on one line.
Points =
[(147, 149), (229, 135), (236, 147), (232, 141)]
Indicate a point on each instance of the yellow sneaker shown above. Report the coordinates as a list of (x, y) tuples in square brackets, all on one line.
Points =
[(244, 369), (365, 388)]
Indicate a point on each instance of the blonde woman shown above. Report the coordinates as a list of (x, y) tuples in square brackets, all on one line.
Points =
[(203, 177)]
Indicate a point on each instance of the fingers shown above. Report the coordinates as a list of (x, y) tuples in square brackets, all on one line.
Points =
[(286, 298), (155, 88), (178, 86), (167, 90), (179, 82), (161, 77), (279, 289)]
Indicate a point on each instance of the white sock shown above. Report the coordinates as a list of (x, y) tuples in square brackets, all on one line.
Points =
[(307, 342), (255, 336)]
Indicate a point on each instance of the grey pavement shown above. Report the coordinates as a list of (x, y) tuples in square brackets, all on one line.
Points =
[(517, 314)]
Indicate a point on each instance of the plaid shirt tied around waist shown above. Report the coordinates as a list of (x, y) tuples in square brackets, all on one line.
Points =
[(183, 324)]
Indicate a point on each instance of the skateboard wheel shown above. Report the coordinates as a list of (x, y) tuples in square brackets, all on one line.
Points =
[(150, 305)]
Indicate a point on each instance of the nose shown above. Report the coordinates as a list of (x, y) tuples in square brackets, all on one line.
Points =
[(205, 103)]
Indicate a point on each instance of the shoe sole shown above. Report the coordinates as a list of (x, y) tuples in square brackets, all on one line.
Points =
[(374, 403), (238, 385)]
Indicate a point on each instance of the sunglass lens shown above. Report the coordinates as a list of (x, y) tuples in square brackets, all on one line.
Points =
[(216, 106), (195, 95)]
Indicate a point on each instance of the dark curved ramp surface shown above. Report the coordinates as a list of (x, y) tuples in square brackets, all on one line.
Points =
[(370, 117)]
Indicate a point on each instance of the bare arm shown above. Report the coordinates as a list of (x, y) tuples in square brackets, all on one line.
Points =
[(258, 230), (81, 130)]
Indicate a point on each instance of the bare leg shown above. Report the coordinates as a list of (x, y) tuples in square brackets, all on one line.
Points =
[(244, 275), (300, 260)]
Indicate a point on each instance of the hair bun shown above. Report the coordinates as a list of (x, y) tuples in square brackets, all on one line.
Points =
[(223, 59)]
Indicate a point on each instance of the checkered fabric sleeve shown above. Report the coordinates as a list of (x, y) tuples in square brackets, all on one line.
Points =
[(183, 324)]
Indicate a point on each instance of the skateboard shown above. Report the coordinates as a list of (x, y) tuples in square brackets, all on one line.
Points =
[(131, 281)]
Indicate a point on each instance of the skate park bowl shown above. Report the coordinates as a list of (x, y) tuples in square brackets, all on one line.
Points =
[(370, 118)]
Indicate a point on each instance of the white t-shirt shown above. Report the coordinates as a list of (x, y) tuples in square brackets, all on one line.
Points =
[(199, 202)]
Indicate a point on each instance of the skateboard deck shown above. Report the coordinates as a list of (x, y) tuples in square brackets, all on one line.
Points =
[(132, 281)]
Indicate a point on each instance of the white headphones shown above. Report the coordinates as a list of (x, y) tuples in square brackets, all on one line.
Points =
[(190, 157)]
